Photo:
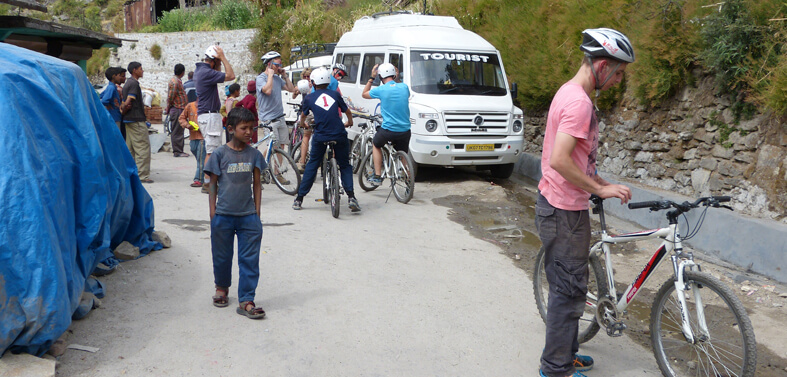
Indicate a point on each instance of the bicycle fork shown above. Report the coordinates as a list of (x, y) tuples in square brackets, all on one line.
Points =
[(680, 289)]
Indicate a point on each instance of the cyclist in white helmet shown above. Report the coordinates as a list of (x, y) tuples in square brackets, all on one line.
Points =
[(568, 165), (395, 108), (326, 106), (270, 109)]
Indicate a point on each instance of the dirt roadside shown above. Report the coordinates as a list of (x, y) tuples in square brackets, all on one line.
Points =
[(508, 223)]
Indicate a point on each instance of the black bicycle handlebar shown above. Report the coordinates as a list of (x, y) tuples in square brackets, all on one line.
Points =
[(655, 205), (374, 118), (647, 204)]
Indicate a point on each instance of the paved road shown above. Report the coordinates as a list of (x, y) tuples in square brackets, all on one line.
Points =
[(397, 290)]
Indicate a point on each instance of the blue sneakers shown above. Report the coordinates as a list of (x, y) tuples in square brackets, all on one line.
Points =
[(582, 363), (375, 180), (576, 374)]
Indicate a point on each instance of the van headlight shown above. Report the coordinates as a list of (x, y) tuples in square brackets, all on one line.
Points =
[(517, 126), (431, 124), (518, 118)]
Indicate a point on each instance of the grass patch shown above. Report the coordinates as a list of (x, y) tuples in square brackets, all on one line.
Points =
[(155, 51)]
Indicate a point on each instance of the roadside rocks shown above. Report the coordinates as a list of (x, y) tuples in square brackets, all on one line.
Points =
[(126, 251), (162, 238)]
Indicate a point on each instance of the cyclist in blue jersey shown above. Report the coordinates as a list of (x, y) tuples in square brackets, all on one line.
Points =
[(395, 108)]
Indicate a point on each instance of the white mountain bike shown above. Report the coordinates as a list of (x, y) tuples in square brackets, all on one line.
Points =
[(698, 326)]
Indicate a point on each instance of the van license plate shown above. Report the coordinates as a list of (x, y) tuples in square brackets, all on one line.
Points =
[(479, 147)]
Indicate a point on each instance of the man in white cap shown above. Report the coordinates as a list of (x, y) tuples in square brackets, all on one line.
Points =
[(206, 76)]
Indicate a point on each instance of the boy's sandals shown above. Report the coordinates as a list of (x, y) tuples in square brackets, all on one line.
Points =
[(253, 313), (221, 300)]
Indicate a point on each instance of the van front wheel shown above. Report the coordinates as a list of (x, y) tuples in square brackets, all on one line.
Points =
[(503, 171)]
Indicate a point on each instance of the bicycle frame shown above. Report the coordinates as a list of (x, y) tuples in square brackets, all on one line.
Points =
[(671, 245), (271, 139)]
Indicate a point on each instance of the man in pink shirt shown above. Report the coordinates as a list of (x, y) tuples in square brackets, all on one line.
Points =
[(568, 167)]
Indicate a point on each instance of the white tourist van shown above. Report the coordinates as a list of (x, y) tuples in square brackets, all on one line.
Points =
[(461, 109), (302, 57)]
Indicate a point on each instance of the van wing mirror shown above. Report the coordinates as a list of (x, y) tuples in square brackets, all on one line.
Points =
[(514, 90)]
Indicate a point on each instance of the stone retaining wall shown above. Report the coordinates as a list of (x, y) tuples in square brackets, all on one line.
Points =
[(693, 146), (186, 48)]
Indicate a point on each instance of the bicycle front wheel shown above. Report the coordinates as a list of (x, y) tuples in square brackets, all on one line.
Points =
[(403, 177), (336, 200), (727, 348), (365, 171), (356, 153), (597, 288), (284, 172)]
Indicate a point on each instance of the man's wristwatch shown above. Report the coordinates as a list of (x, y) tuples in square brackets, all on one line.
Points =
[(371, 78)]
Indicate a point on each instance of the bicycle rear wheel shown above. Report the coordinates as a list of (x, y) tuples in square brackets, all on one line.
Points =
[(597, 287), (729, 348), (284, 172), (333, 192), (364, 172), (403, 179)]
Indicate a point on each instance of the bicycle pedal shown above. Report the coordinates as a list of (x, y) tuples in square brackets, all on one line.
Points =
[(319, 200), (616, 329)]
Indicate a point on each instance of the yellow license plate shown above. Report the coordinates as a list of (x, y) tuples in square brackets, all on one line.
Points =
[(479, 147)]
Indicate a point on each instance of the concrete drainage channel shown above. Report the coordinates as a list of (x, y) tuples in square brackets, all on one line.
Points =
[(509, 224), (757, 245)]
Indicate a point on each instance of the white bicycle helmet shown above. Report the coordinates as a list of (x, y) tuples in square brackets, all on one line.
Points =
[(321, 76), (303, 87), (386, 70), (607, 43), (340, 67), (270, 55), (211, 52)]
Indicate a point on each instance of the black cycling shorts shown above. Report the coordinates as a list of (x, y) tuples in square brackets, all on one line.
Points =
[(399, 140)]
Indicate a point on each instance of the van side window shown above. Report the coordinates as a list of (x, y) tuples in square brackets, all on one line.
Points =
[(351, 61), (338, 59), (397, 61), (369, 61)]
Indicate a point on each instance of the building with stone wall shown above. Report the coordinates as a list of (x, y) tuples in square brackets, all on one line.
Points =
[(186, 48)]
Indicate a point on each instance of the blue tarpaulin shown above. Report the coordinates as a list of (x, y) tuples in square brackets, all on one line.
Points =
[(69, 194)]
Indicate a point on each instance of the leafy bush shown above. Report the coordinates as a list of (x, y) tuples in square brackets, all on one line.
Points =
[(730, 37), (225, 15), (98, 63), (234, 14), (182, 20), (282, 28)]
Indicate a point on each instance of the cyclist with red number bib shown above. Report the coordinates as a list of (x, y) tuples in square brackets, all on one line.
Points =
[(568, 165), (328, 126)]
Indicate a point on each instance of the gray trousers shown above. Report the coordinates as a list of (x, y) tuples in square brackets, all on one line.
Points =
[(176, 137), (565, 236)]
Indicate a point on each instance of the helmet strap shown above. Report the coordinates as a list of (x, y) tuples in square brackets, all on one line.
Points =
[(601, 85)]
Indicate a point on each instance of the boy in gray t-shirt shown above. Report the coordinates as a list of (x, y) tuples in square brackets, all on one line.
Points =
[(235, 209)]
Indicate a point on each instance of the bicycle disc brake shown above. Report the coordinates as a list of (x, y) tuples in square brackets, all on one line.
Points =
[(607, 317)]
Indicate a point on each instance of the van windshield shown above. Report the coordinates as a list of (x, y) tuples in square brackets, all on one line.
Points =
[(464, 73)]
